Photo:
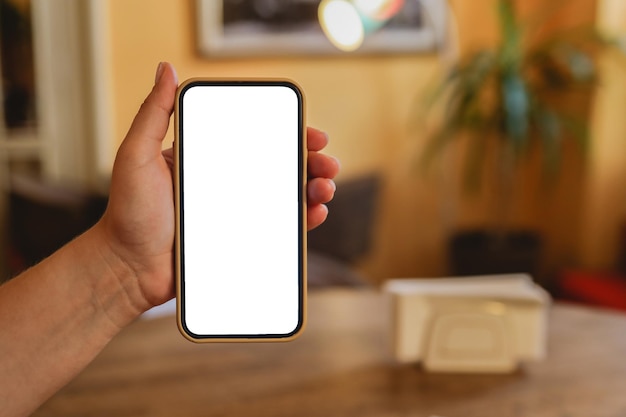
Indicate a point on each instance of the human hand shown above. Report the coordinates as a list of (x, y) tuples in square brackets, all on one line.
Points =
[(139, 223), (321, 171)]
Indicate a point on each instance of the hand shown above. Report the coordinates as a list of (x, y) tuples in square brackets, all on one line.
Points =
[(321, 171), (138, 224), (57, 316)]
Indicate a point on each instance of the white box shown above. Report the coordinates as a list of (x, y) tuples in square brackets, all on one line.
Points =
[(469, 324)]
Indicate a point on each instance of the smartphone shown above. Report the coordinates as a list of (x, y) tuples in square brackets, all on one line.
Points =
[(240, 168)]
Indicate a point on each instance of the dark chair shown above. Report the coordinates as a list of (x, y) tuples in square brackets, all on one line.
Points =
[(346, 236), (43, 217)]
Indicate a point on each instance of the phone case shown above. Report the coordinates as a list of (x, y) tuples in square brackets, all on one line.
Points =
[(179, 267)]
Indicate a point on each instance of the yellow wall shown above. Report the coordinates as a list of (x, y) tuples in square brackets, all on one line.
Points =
[(605, 210), (364, 104), (356, 100)]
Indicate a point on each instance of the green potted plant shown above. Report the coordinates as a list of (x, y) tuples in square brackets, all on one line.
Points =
[(505, 100)]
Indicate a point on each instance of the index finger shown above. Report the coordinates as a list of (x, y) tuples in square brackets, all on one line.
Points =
[(316, 139)]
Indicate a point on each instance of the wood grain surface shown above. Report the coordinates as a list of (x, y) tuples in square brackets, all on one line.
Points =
[(342, 366)]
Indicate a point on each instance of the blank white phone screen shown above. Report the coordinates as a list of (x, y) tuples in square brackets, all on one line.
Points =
[(241, 209)]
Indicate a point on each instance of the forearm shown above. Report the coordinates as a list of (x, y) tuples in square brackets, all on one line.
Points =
[(57, 316)]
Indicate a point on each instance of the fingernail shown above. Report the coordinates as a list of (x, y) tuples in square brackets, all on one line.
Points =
[(332, 184), (159, 72)]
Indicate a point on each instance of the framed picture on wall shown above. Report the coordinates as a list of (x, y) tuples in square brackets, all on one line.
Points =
[(248, 28)]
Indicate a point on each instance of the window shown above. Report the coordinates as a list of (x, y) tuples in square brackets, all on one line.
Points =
[(17, 68), (18, 144)]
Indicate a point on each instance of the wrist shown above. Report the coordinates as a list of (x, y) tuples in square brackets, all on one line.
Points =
[(58, 315), (113, 282)]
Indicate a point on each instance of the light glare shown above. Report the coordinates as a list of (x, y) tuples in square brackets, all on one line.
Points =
[(378, 9), (370, 7), (342, 24)]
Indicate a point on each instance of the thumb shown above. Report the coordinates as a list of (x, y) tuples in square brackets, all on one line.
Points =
[(150, 125)]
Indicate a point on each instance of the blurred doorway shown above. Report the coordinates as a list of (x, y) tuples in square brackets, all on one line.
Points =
[(53, 109)]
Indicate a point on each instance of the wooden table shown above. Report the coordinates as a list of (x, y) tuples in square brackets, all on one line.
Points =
[(341, 366)]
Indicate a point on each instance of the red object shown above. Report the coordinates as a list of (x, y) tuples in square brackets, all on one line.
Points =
[(604, 289), (388, 9)]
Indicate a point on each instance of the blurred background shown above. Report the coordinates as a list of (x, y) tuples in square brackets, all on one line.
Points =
[(74, 74)]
